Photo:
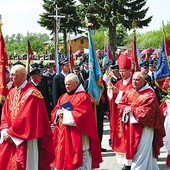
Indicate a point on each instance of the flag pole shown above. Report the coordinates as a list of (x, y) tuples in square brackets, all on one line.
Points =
[(3, 66), (163, 28), (57, 28), (69, 52), (135, 65)]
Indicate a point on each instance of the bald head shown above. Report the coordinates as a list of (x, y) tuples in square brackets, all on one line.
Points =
[(19, 69), (138, 80), (18, 75)]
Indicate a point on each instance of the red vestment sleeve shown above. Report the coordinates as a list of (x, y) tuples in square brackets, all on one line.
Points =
[(71, 143)]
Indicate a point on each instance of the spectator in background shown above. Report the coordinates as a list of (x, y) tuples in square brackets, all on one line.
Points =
[(49, 70), (144, 65), (58, 87), (114, 74), (152, 68), (84, 72), (36, 80)]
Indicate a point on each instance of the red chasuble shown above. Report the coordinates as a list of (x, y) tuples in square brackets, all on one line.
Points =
[(145, 109), (24, 115), (116, 125), (163, 107), (68, 139)]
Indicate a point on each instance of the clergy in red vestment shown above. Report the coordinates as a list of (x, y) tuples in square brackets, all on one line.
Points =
[(26, 136), (76, 139), (115, 93), (165, 111), (142, 125)]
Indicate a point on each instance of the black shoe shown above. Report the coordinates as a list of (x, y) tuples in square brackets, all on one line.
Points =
[(103, 150), (126, 167)]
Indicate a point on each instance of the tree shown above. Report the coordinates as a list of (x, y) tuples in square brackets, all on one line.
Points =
[(150, 39), (69, 24), (36, 41), (121, 33), (109, 14)]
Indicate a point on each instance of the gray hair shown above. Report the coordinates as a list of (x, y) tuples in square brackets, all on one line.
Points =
[(72, 77), (139, 74)]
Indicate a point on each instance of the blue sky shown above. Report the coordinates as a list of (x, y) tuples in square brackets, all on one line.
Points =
[(20, 16)]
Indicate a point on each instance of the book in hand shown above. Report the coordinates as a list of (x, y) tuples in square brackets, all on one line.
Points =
[(68, 106)]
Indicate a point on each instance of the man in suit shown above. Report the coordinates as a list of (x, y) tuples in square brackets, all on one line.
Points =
[(83, 75), (58, 87), (42, 86)]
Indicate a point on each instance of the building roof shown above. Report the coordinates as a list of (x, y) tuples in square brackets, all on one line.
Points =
[(78, 36)]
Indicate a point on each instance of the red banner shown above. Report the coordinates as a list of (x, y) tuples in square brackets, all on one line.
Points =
[(3, 67)]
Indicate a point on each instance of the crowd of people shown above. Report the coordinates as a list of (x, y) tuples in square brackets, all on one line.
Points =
[(48, 119)]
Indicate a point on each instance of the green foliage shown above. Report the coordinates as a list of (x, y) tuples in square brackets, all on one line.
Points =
[(98, 39), (121, 33), (69, 23), (167, 97), (109, 14), (18, 44), (151, 39)]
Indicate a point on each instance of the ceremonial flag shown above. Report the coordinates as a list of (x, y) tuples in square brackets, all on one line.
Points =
[(167, 49), (135, 63), (95, 85), (30, 52), (138, 54), (29, 57), (105, 60), (108, 52), (71, 58), (3, 67), (162, 72)]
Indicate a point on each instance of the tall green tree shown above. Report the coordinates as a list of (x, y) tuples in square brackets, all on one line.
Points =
[(17, 44), (110, 13), (69, 24)]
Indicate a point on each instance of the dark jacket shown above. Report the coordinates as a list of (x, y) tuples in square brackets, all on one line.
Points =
[(44, 89), (58, 87), (83, 76)]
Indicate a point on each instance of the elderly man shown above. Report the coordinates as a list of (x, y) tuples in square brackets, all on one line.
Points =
[(76, 139), (143, 125), (26, 136)]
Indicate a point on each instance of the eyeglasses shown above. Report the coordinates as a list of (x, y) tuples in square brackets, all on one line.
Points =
[(13, 75)]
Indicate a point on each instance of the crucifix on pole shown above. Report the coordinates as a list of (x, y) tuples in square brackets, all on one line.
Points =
[(57, 19)]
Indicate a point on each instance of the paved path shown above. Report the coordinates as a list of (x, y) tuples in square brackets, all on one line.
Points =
[(109, 161)]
